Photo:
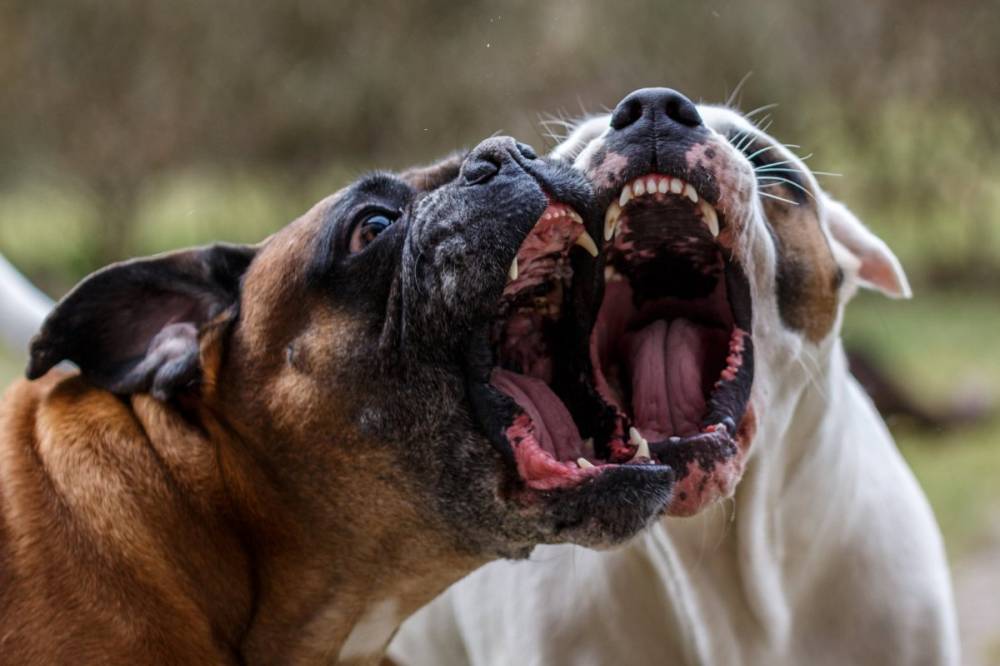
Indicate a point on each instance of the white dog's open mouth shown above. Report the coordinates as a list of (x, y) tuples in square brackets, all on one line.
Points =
[(667, 362), (671, 349)]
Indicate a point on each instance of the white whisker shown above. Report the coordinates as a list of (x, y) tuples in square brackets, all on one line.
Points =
[(789, 182), (745, 142), (762, 150), (775, 196), (760, 109), (731, 97), (774, 164)]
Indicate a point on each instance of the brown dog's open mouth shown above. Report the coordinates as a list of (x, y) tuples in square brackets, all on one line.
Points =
[(531, 337)]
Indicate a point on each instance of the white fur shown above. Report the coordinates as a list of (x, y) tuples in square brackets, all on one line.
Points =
[(22, 308), (371, 633), (827, 554)]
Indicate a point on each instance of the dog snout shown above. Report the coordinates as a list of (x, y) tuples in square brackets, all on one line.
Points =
[(661, 107), (491, 156)]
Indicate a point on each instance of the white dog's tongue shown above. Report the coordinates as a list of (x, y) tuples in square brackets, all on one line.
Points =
[(666, 360), (554, 427)]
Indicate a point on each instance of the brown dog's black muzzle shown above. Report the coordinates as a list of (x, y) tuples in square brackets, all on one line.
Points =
[(465, 235)]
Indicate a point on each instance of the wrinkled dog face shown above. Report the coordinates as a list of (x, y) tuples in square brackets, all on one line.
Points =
[(723, 262), (418, 330)]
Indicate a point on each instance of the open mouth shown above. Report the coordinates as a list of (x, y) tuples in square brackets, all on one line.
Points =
[(532, 341), (646, 359), (671, 349)]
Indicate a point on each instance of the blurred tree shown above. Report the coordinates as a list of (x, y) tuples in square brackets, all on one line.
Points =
[(116, 92)]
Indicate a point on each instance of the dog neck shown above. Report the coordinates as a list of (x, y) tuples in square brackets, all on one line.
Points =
[(809, 454), (228, 557), (343, 591), (335, 575)]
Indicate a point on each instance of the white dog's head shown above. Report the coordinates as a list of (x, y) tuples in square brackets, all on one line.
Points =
[(725, 265)]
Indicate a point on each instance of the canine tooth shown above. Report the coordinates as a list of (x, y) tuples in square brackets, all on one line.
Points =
[(639, 441), (573, 215), (676, 185), (512, 271), (690, 193), (663, 186), (611, 275), (587, 243), (651, 184), (583, 463), (639, 187), (625, 197), (611, 220), (710, 218)]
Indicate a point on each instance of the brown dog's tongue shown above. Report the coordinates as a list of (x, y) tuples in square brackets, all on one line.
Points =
[(554, 427), (666, 359)]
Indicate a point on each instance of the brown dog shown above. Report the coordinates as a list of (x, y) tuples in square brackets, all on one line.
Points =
[(274, 454)]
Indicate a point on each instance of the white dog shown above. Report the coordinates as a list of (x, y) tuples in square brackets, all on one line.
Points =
[(827, 552)]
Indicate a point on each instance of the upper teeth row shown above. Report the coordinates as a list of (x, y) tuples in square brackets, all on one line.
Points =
[(657, 185), (555, 212), (584, 240)]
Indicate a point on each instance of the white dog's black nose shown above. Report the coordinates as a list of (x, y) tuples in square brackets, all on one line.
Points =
[(659, 105)]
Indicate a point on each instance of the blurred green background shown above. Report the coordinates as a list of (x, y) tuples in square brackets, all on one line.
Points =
[(129, 128)]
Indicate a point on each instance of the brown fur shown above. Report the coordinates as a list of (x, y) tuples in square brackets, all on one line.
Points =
[(808, 275), (200, 531)]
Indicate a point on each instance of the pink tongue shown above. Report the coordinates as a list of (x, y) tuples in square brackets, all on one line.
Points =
[(666, 360), (554, 428)]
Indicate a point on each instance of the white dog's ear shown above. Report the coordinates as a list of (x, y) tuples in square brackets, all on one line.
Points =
[(877, 267), (584, 131)]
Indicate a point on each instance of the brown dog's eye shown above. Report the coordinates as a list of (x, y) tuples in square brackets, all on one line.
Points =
[(368, 228)]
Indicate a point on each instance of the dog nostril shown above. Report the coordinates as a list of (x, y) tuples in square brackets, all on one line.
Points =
[(662, 106), (682, 110), (480, 169), (627, 112), (527, 151)]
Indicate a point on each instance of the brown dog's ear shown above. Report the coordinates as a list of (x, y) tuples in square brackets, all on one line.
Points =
[(432, 176), (133, 327), (877, 267)]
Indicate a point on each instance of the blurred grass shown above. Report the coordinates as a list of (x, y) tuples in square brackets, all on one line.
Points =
[(937, 346)]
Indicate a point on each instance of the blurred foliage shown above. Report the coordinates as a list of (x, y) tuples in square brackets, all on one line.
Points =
[(131, 127)]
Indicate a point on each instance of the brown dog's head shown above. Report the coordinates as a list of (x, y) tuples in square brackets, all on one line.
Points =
[(374, 342), (726, 269)]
